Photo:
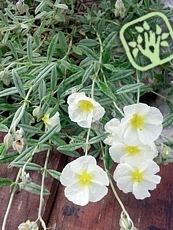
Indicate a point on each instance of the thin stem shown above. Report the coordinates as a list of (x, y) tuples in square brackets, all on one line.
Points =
[(42, 190), (11, 199), (118, 108), (87, 142)]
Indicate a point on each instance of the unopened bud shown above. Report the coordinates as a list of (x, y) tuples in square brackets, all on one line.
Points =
[(8, 140), (28, 226), (37, 112), (119, 9), (22, 7)]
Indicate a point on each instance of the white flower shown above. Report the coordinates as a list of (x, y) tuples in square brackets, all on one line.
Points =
[(18, 145), (111, 127), (137, 179), (84, 110), (85, 181), (141, 122), (120, 150), (53, 121)]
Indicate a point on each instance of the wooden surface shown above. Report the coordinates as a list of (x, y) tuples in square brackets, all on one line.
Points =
[(154, 213)]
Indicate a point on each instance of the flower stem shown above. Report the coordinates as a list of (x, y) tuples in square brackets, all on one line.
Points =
[(11, 199), (87, 142), (42, 189)]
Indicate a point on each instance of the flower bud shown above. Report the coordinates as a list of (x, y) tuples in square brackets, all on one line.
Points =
[(37, 112), (22, 7), (8, 140), (28, 226), (119, 9)]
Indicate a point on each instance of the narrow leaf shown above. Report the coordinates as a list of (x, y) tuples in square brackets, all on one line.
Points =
[(36, 189), (29, 48), (52, 47), (98, 138), (70, 147), (9, 157), (88, 52), (48, 134), (168, 120), (54, 174), (18, 83), (129, 88), (106, 90), (88, 42), (62, 41), (5, 182), (29, 165)]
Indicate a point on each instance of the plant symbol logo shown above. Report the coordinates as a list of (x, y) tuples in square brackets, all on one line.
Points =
[(148, 41)]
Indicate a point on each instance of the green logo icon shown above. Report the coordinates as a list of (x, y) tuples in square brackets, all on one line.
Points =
[(148, 41)]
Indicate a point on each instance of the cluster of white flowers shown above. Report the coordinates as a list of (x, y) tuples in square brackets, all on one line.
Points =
[(132, 146)]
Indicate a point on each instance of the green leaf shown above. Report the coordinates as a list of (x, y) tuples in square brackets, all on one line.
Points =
[(70, 147), (61, 6), (40, 6), (13, 49), (44, 73), (30, 129), (139, 29), (54, 174), (42, 89), (158, 30), (3, 18), (164, 36), (146, 25), (48, 134), (62, 41), (5, 182), (36, 189), (139, 39), (164, 43), (52, 47), (87, 73), (132, 44), (29, 48), (88, 42), (2, 149), (70, 153), (88, 52), (135, 52), (18, 83), (168, 120), (106, 90), (3, 128), (7, 92), (98, 138), (101, 26), (108, 160), (24, 155), (109, 39), (129, 88), (9, 157), (29, 165)]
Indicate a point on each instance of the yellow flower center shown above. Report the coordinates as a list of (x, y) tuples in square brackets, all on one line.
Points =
[(137, 121), (45, 119), (85, 179), (85, 106), (132, 150), (137, 176)]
